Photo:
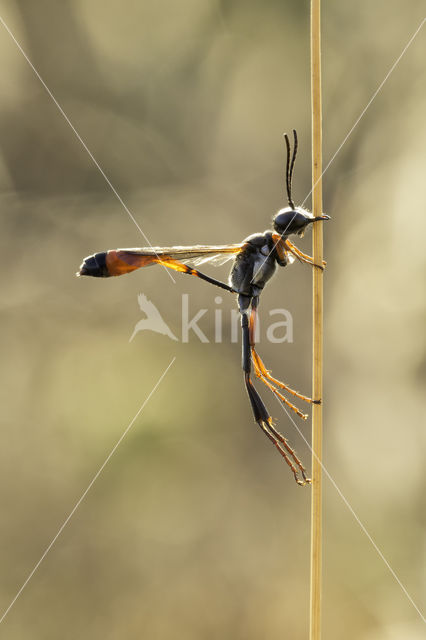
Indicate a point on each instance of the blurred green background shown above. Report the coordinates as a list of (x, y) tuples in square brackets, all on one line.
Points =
[(196, 529)]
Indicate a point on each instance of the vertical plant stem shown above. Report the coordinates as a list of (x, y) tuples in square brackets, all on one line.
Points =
[(316, 505)]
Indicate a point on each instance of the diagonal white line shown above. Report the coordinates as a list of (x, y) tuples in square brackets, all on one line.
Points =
[(83, 495), (354, 125), (367, 105), (86, 148), (363, 528)]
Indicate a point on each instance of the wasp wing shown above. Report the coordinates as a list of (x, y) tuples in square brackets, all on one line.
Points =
[(119, 261), (196, 254)]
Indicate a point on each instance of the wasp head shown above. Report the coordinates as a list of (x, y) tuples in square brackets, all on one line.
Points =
[(290, 221)]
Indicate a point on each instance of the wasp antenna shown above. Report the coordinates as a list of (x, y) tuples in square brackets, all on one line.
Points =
[(293, 160), (288, 172)]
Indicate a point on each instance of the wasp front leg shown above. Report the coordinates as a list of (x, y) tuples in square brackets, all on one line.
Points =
[(302, 257)]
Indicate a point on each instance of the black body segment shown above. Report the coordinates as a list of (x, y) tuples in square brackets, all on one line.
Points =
[(255, 264), (95, 266)]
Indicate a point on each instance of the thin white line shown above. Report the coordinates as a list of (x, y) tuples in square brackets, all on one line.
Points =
[(354, 515), (96, 163), (368, 104), (80, 500), (354, 125)]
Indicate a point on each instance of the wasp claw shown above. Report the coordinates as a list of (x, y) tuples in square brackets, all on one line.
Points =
[(303, 483)]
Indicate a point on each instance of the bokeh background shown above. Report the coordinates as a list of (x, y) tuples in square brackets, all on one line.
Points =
[(196, 529)]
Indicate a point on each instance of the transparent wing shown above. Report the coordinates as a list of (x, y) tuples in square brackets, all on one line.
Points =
[(216, 259), (117, 262), (195, 255)]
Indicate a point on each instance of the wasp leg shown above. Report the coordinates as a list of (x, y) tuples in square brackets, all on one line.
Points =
[(283, 399), (260, 412), (263, 374), (303, 257), (297, 467), (292, 452)]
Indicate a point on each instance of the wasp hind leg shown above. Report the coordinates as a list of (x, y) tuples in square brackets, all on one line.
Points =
[(260, 412)]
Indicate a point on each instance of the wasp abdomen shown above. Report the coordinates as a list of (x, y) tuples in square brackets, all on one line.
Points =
[(95, 266)]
